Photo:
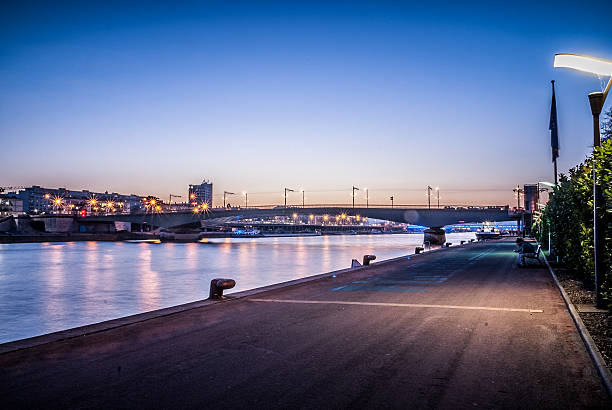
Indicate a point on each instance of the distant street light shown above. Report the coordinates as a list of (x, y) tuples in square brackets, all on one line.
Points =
[(246, 199), (302, 191), (354, 189), (597, 99), (367, 197), (287, 190), (391, 198), (429, 189), (438, 196)]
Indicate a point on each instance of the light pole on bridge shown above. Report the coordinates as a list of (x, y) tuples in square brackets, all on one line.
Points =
[(429, 189), (302, 191), (597, 99), (354, 189), (367, 197), (246, 199), (391, 198), (438, 196), (287, 190), (224, 194)]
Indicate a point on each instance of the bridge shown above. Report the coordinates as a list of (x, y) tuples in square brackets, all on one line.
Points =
[(410, 215)]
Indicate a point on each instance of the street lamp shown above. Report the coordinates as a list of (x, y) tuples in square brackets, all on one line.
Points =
[(302, 191), (518, 192), (429, 189), (597, 99), (246, 199), (391, 198), (287, 190), (438, 196), (367, 197), (354, 189)]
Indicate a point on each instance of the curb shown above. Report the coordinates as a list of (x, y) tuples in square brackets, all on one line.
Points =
[(598, 360), (93, 328)]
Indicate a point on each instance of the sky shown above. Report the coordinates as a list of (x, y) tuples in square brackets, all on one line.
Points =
[(149, 97)]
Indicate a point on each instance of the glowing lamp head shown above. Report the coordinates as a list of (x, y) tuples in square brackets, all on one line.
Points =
[(325, 217), (158, 208), (311, 217), (294, 216), (196, 210), (204, 206), (153, 201), (343, 216), (583, 63), (47, 196), (57, 201), (192, 196)]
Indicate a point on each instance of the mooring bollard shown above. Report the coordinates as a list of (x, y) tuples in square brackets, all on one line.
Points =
[(462, 242), (218, 285), (418, 250), (355, 263), (448, 244), (367, 259)]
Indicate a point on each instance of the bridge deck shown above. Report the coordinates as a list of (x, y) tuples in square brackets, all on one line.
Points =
[(453, 329)]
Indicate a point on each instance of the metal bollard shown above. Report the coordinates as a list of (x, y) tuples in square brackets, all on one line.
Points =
[(418, 250), (448, 244), (367, 259), (218, 285), (462, 242)]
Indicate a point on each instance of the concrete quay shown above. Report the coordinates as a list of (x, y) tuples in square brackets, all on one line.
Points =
[(462, 327)]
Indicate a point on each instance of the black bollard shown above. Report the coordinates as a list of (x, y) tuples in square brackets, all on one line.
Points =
[(448, 244), (418, 250), (462, 242), (218, 285), (367, 259)]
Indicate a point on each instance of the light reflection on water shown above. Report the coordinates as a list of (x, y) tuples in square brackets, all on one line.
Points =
[(46, 287)]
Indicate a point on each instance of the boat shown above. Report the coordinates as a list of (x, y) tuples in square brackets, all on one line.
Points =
[(487, 232)]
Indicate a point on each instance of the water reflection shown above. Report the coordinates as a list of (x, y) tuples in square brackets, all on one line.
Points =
[(148, 279), (48, 287)]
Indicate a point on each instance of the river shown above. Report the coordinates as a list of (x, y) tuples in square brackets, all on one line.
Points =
[(46, 287)]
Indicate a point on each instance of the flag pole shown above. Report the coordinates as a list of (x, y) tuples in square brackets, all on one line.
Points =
[(554, 132)]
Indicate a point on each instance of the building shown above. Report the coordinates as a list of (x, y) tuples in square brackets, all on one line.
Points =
[(10, 205), (201, 194), (37, 200)]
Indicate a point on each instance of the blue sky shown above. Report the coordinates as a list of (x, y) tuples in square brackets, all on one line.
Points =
[(148, 97)]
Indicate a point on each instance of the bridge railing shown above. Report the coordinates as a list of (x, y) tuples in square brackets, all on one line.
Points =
[(300, 208)]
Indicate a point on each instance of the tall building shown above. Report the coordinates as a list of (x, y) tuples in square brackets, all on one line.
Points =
[(201, 194)]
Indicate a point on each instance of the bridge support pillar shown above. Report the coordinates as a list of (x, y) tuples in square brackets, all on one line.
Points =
[(434, 236)]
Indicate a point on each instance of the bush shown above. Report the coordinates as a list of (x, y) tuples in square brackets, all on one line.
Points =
[(569, 217)]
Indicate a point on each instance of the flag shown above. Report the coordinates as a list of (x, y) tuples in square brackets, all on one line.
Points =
[(554, 133)]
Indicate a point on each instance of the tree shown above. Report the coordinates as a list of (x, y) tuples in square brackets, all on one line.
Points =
[(606, 125)]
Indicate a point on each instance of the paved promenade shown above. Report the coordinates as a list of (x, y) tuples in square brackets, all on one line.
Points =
[(458, 328)]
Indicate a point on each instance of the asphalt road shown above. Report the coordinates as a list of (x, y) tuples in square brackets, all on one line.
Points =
[(459, 328)]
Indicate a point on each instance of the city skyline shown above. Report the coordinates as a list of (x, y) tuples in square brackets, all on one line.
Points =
[(261, 96)]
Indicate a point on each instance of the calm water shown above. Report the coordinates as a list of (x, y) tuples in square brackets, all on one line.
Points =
[(45, 287)]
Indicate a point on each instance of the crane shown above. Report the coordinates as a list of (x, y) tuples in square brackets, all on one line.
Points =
[(173, 196)]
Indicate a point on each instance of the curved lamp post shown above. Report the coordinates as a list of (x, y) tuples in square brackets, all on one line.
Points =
[(597, 99)]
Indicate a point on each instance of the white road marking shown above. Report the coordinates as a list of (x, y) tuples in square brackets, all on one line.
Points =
[(413, 305)]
